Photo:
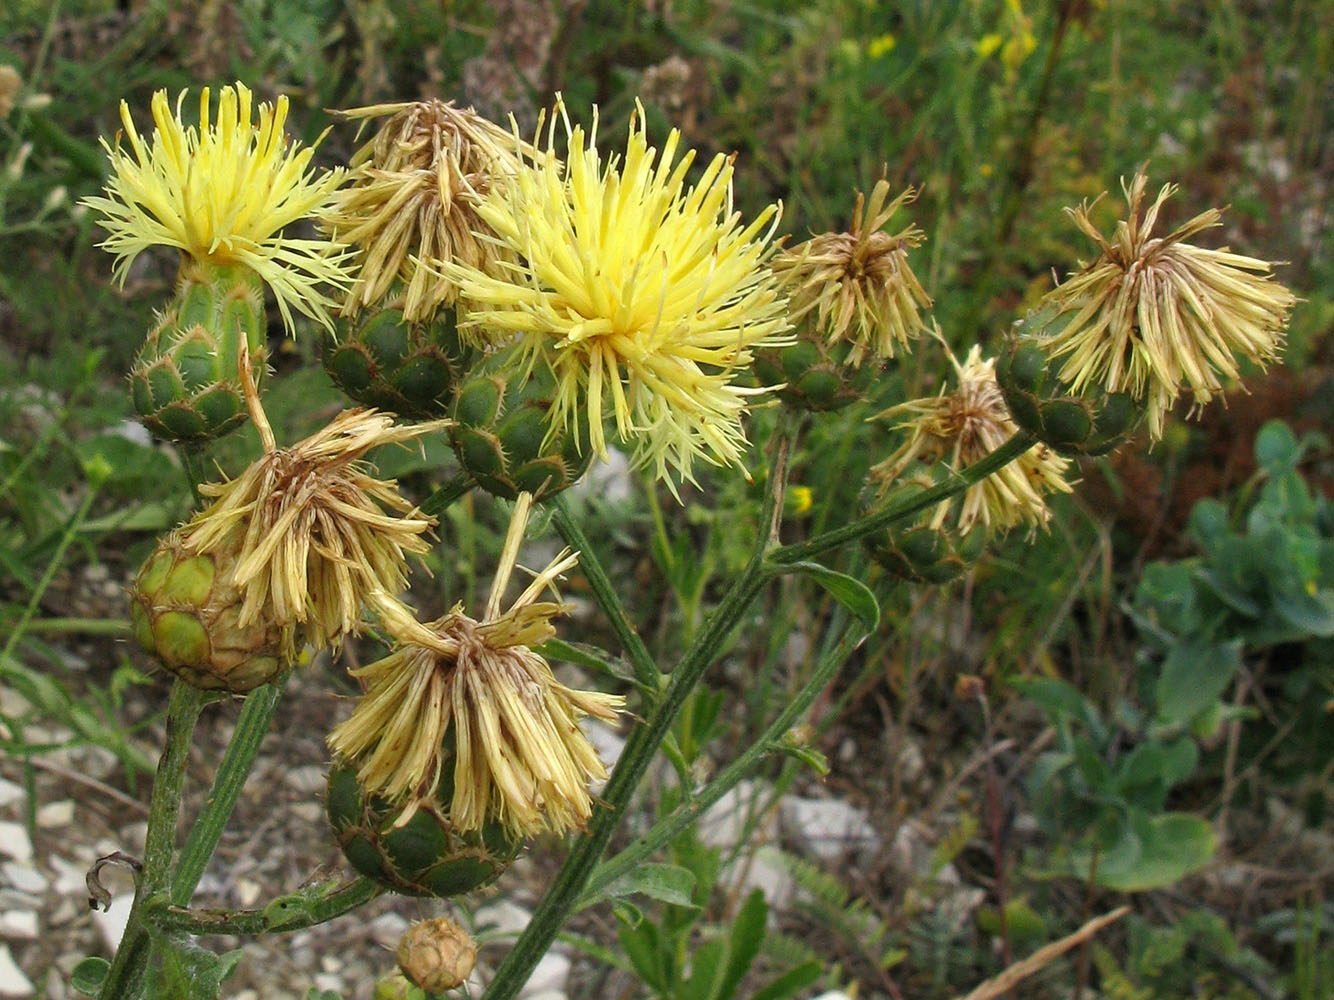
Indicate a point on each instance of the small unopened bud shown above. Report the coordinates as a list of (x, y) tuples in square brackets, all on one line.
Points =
[(436, 955)]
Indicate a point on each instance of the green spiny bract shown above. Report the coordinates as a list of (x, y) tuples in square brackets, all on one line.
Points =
[(425, 856), (818, 374), (184, 610), (1091, 422), (411, 369), (503, 437), (924, 549), (186, 378)]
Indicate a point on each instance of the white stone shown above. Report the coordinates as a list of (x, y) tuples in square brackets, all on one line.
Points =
[(551, 974), (134, 431), (387, 928), (503, 917), (309, 778), (24, 878), (610, 480), (54, 815), (19, 925), (111, 923), (834, 995), (55, 988), (764, 870), (606, 741), (248, 891), (14, 842), (71, 879), (325, 981), (911, 853), (544, 995), (10, 793), (724, 822), (307, 812), (13, 983), (828, 828)]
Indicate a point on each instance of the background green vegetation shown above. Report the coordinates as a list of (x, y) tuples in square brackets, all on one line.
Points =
[(1116, 729)]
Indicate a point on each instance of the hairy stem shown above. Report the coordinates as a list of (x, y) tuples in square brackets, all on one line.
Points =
[(447, 494), (293, 912), (231, 776), (127, 968)]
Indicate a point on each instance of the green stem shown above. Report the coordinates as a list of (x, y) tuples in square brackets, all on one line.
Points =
[(645, 668), (235, 767), (293, 912), (956, 484), (192, 458), (127, 968), (667, 828), (447, 494), (561, 899), (115, 627)]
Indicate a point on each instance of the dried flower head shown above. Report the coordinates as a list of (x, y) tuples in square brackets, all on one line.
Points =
[(10, 84), (1153, 315), (413, 195), (964, 426), (642, 293), (519, 756), (436, 955), (858, 285), (223, 193), (315, 535)]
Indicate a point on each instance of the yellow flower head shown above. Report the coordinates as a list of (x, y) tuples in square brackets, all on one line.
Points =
[(413, 196), (1153, 315), (519, 755), (644, 295), (314, 535), (223, 193), (858, 284), (962, 427)]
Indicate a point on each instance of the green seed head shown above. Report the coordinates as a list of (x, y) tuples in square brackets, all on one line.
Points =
[(425, 856), (818, 376), (411, 369), (185, 613), (185, 382)]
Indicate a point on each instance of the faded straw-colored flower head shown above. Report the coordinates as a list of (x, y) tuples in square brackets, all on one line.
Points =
[(413, 196), (1154, 315), (224, 192), (313, 534), (857, 286), (644, 294), (961, 427), (474, 689)]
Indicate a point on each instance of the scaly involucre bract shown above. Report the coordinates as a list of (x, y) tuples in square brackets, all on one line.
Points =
[(1155, 315), (224, 192), (413, 196), (315, 535), (962, 427), (476, 690), (858, 286), (643, 294)]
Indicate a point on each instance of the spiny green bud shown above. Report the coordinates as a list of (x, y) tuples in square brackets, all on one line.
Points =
[(184, 611), (819, 375), (185, 380), (1091, 422), (502, 434), (928, 548), (424, 856), (411, 369)]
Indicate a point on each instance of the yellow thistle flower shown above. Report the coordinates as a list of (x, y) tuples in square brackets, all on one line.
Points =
[(413, 196), (314, 535), (964, 426), (223, 193), (643, 294), (1153, 315), (519, 756), (858, 283)]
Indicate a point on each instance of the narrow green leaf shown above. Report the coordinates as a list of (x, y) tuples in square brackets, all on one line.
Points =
[(848, 591), (663, 882), (792, 982), (708, 966), (747, 935)]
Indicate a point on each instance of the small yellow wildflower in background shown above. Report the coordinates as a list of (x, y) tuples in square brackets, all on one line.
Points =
[(1154, 315), (314, 535), (519, 755), (643, 294), (964, 426), (413, 196), (223, 193), (858, 284)]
